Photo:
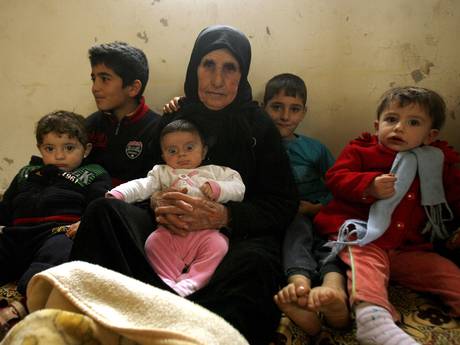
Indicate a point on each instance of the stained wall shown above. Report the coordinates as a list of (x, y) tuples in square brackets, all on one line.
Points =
[(348, 52)]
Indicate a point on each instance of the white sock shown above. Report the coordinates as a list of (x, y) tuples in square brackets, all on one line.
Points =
[(375, 326)]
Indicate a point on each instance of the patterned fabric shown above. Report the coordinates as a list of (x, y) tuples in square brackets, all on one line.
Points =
[(9, 292), (422, 317), (57, 327)]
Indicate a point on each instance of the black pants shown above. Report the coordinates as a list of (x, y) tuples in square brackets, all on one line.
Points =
[(440, 246), (112, 234), (304, 252), (27, 250)]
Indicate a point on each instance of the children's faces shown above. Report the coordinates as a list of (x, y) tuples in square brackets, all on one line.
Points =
[(109, 93), (183, 150), (405, 128), (63, 151), (287, 112)]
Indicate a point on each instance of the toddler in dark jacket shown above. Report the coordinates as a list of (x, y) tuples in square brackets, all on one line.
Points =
[(44, 198)]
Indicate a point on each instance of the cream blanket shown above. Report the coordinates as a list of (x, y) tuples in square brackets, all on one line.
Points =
[(88, 304)]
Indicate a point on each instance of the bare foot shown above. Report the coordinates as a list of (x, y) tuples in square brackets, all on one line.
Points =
[(292, 301), (332, 302), (296, 291), (307, 320)]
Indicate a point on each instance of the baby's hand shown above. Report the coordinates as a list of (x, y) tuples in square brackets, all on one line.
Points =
[(207, 190), (383, 186)]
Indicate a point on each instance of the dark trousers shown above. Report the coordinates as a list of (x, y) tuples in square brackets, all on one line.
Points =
[(440, 246), (112, 234), (304, 252), (27, 250)]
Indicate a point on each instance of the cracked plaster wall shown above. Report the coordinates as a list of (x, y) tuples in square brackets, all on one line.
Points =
[(348, 52)]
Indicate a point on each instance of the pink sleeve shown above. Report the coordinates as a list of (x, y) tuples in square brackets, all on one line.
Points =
[(215, 189), (114, 194)]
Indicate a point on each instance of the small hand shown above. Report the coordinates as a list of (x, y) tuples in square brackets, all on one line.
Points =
[(207, 190), (309, 208), (172, 106), (72, 230), (382, 187)]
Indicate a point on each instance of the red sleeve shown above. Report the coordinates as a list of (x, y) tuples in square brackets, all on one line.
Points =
[(347, 179), (451, 176)]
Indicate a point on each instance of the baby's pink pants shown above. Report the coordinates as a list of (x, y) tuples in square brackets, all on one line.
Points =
[(185, 263)]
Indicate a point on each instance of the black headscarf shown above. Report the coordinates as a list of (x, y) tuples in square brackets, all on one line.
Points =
[(220, 37), (229, 128)]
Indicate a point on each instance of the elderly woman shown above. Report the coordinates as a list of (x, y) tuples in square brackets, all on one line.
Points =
[(218, 99)]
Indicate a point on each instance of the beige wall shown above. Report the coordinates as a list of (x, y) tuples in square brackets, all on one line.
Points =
[(348, 52)]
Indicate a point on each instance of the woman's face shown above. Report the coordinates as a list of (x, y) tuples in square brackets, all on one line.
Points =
[(218, 79)]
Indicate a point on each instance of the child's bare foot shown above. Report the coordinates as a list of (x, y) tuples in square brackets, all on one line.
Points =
[(292, 301), (332, 302), (307, 320), (297, 290)]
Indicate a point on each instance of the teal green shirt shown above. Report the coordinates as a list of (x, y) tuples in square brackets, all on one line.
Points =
[(310, 160)]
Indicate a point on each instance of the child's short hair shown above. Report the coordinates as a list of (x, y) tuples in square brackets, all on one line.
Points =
[(62, 122), (181, 125), (128, 62), (428, 99), (290, 84)]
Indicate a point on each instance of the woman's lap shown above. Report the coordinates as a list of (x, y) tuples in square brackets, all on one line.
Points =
[(242, 288), (112, 234)]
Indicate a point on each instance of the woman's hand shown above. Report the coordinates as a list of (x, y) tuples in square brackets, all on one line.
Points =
[(182, 213), (157, 198)]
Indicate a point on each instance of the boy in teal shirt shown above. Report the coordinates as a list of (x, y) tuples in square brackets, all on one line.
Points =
[(303, 251)]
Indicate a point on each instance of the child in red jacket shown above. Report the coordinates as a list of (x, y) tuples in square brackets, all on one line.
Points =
[(392, 193)]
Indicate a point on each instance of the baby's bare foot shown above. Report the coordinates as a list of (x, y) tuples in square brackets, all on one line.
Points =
[(332, 302)]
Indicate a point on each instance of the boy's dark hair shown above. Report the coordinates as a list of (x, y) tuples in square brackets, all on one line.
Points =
[(428, 99), (128, 62), (290, 84), (62, 122), (181, 125)]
